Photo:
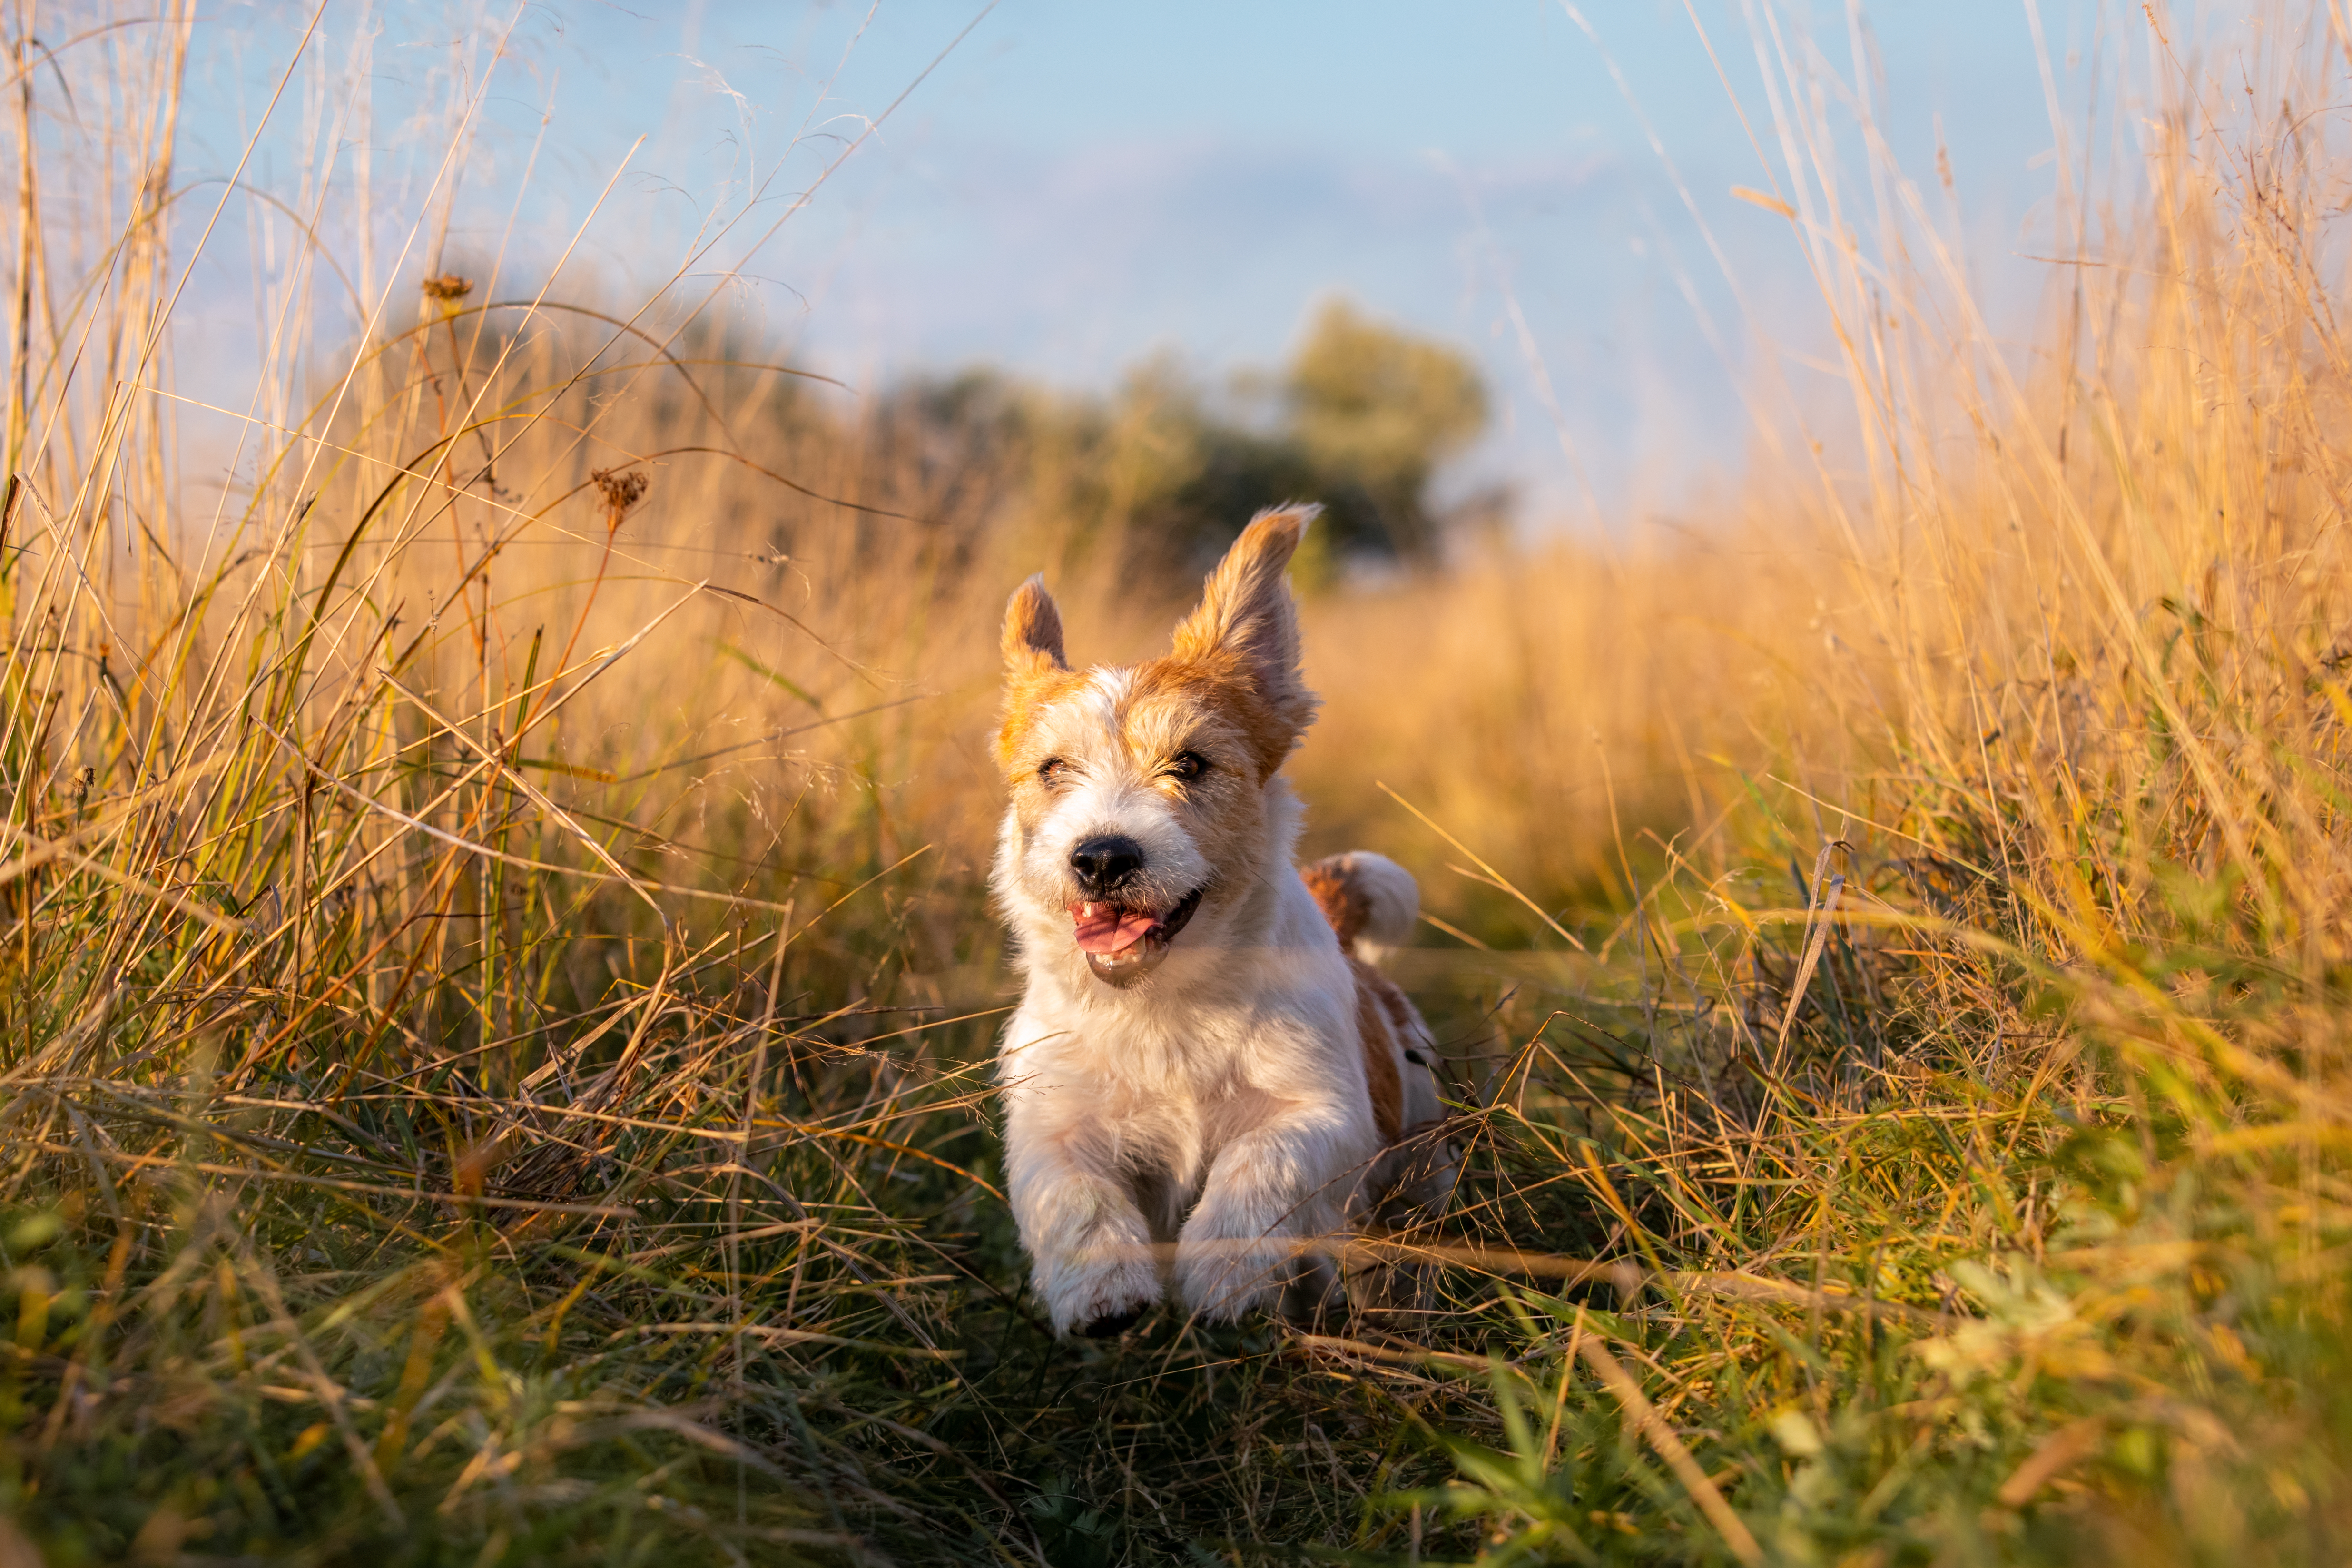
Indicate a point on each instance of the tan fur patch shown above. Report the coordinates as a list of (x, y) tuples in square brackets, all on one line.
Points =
[(1214, 688), (1342, 902), (1376, 1022), (1026, 697), (1404, 1016)]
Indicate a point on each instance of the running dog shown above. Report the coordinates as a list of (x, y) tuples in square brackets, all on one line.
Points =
[(1208, 1084)]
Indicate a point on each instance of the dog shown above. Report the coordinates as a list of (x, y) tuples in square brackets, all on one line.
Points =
[(1208, 1084)]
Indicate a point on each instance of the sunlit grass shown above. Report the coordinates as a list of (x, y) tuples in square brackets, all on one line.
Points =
[(498, 995)]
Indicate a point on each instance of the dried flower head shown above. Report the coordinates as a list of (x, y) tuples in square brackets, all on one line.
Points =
[(623, 489)]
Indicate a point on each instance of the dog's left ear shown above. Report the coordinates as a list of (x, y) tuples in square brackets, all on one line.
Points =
[(1247, 611)]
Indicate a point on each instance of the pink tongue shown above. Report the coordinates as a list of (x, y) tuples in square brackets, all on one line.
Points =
[(1107, 928)]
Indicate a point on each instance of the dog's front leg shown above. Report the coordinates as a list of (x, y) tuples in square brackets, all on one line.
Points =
[(1273, 1196), (1088, 1245)]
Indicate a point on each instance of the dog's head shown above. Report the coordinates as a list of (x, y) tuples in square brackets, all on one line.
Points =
[(1141, 794)]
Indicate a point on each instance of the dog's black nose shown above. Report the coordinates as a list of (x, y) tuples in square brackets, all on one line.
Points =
[(1102, 863)]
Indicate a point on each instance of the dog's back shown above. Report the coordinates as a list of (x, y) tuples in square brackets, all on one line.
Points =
[(1373, 905)]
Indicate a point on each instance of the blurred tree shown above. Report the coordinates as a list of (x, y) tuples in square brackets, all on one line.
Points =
[(1208, 472), (1376, 410), (1163, 472)]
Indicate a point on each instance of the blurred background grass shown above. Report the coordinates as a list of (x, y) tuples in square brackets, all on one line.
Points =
[(499, 990)]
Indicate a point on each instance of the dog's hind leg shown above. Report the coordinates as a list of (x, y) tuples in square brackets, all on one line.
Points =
[(1410, 1189)]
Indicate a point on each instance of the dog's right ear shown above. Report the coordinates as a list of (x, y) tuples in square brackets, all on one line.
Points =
[(1032, 631)]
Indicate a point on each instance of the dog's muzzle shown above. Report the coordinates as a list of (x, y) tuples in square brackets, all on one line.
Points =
[(1123, 945)]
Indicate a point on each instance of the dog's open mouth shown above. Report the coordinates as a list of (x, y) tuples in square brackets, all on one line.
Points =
[(1123, 944)]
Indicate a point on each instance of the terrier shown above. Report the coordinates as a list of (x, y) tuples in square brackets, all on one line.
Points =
[(1208, 1083)]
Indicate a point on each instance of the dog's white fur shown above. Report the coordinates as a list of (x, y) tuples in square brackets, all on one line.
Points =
[(1209, 1127)]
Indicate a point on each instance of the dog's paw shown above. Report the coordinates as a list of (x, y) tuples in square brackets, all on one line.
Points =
[(1100, 1302), (1224, 1281), (1111, 1327)]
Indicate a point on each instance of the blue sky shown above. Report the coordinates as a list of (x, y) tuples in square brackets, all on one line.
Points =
[(1073, 186)]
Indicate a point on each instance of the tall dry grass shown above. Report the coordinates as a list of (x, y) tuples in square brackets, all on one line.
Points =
[(2040, 1159), (497, 988)]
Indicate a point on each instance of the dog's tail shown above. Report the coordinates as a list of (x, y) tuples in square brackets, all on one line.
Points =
[(1372, 902)]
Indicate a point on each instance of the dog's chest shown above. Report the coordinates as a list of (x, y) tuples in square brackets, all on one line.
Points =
[(1178, 1083)]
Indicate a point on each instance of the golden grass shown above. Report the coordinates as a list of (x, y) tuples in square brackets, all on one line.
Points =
[(498, 990)]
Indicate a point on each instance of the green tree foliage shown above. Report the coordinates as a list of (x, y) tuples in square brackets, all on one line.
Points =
[(1165, 469), (1375, 411)]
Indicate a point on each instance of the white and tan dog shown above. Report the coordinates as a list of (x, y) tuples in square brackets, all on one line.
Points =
[(1207, 1083)]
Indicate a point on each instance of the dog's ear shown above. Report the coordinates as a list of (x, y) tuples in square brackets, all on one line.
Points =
[(1247, 612), (1032, 631)]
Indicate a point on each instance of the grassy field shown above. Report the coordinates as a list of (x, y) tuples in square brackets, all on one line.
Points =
[(496, 991)]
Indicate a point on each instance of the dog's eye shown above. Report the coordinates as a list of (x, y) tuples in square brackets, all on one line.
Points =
[(1051, 770), (1186, 765)]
